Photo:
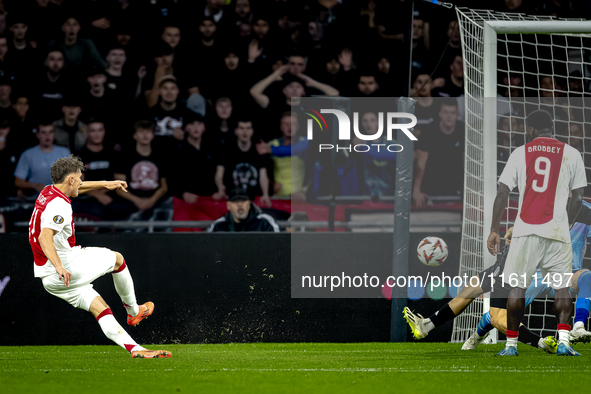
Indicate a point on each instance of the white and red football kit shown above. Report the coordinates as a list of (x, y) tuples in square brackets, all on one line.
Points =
[(53, 210), (545, 171)]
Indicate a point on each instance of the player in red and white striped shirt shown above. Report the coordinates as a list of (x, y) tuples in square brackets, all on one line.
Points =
[(545, 171), (57, 258)]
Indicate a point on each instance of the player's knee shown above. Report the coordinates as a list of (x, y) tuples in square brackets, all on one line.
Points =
[(119, 260), (498, 320)]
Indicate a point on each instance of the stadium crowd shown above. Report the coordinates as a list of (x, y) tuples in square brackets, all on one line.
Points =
[(191, 99)]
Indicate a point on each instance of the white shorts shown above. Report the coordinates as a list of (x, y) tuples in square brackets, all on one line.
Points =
[(529, 252), (89, 264)]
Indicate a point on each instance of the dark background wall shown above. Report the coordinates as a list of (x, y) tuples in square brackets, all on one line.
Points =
[(207, 288)]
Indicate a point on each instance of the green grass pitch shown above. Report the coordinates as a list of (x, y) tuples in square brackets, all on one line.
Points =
[(304, 367)]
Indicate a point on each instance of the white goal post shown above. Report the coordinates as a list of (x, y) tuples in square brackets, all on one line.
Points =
[(483, 33)]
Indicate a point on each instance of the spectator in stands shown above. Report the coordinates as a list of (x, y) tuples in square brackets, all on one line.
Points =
[(80, 53), (337, 70), (420, 52), (425, 108), (98, 166), (232, 79), (6, 110), (143, 168), (54, 84), (453, 85), (453, 49), (288, 167), (99, 101), (33, 170), (171, 34), (512, 86), (220, 136), (24, 126), (243, 10), (243, 215), (70, 132), (9, 154), (367, 85), (207, 45), (548, 87), (387, 77), (22, 51), (117, 82), (376, 169), (169, 113), (440, 155), (161, 66), (6, 66), (192, 153), (241, 166), (297, 64)]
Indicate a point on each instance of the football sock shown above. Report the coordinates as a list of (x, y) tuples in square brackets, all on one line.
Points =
[(512, 338), (528, 337), (583, 305), (484, 325), (124, 287), (564, 334), (442, 315), (115, 332)]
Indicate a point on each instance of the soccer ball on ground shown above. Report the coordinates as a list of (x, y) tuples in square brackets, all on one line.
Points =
[(432, 251)]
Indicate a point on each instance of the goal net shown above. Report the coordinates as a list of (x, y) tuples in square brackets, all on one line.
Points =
[(514, 64)]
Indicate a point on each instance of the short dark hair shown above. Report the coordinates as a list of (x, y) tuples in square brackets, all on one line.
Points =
[(144, 125), (65, 166), (96, 120), (540, 120), (45, 120), (55, 48), (243, 118), (449, 101)]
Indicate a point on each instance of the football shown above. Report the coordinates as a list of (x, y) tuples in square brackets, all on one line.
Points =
[(432, 251)]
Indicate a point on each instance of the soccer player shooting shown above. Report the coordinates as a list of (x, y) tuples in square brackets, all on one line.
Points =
[(545, 171), (67, 271)]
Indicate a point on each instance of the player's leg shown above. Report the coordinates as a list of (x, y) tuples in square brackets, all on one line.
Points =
[(113, 330), (482, 330), (490, 281), (124, 287), (421, 326), (557, 269), (581, 284), (524, 256)]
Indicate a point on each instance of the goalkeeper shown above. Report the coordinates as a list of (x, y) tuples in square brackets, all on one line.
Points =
[(483, 283)]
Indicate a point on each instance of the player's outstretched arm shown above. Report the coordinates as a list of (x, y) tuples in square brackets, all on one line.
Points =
[(97, 185), (494, 240), (48, 247)]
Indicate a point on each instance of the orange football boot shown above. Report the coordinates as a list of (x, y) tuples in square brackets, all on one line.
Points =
[(151, 354), (146, 311)]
